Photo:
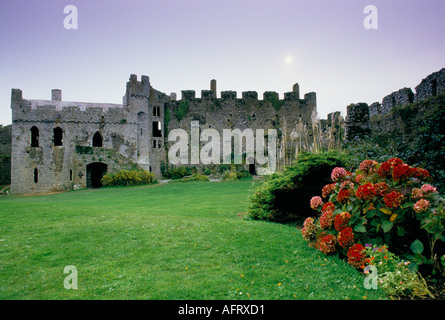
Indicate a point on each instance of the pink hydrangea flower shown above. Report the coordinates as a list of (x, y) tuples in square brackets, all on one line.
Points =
[(421, 205), (338, 173), (316, 202), (427, 188)]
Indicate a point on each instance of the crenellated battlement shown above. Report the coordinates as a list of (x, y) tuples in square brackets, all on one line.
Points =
[(248, 96)]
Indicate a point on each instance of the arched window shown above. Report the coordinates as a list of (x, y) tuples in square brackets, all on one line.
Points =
[(58, 137), (97, 140), (34, 137)]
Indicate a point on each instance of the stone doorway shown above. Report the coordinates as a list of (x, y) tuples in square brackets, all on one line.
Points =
[(252, 169), (95, 172)]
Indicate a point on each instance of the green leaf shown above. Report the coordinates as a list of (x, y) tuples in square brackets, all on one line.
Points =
[(413, 267), (400, 231), (417, 247), (387, 225), (384, 210), (408, 205), (371, 213), (356, 208), (350, 207), (360, 228)]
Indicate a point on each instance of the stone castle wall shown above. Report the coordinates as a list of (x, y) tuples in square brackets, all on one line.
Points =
[(361, 119), (133, 134)]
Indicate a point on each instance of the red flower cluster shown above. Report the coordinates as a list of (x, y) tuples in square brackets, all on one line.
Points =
[(327, 244), (343, 195), (327, 190), (327, 219), (382, 188), (346, 237), (401, 172), (368, 166), (393, 199), (386, 169), (341, 220), (366, 191), (420, 173), (328, 206), (356, 255)]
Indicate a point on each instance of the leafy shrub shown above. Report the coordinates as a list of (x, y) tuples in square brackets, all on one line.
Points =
[(127, 178), (395, 276), (195, 177), (285, 196), (390, 203), (176, 172), (230, 175)]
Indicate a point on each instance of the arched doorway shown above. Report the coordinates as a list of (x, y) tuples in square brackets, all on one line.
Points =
[(95, 172)]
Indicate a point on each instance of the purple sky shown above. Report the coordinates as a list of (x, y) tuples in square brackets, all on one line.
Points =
[(246, 45)]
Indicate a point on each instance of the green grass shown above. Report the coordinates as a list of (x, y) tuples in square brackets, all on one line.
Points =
[(172, 241)]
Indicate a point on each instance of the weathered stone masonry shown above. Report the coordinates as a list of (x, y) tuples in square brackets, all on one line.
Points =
[(359, 116), (60, 145)]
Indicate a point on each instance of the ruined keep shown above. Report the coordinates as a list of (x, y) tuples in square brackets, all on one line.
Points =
[(61, 145)]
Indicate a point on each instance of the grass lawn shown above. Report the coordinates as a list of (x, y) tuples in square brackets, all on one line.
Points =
[(169, 241)]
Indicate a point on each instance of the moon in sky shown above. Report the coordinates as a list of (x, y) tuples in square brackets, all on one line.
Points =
[(289, 60)]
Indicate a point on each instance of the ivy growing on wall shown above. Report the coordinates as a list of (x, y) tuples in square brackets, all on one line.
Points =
[(182, 110), (275, 101)]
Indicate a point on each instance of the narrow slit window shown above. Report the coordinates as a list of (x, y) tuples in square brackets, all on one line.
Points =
[(36, 175), (71, 175)]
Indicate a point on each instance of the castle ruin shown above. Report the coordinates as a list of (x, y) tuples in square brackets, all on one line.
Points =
[(61, 145)]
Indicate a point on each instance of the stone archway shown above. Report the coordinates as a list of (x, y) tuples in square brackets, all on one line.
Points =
[(95, 172)]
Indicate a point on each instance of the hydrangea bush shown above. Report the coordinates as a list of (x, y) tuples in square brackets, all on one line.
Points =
[(386, 203)]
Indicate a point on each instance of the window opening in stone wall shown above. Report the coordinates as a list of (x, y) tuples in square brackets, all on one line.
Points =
[(34, 137), (71, 175), (36, 175), (156, 111), (58, 136), (97, 140), (157, 129)]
